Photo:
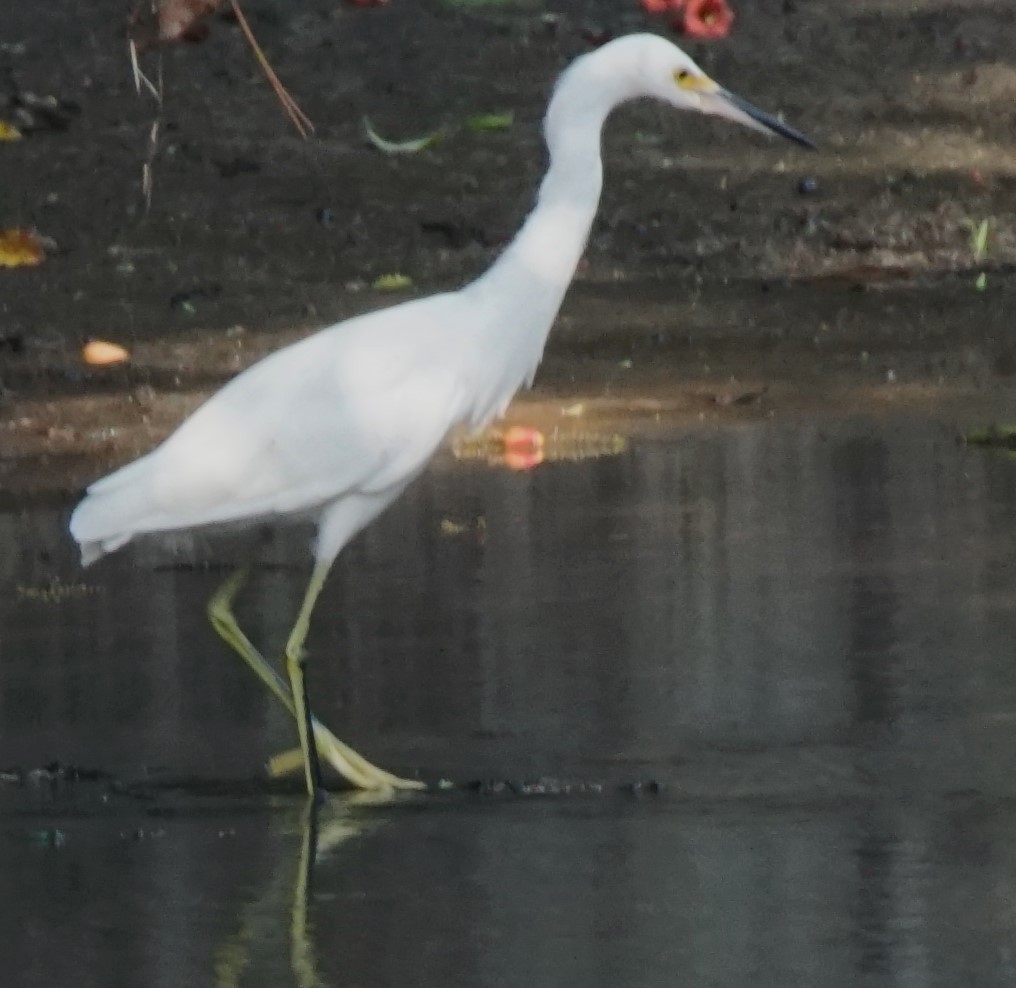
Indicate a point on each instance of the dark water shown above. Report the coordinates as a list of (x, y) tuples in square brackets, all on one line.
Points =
[(803, 631)]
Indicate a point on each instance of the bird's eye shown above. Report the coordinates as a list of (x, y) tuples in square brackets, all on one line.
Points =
[(694, 82)]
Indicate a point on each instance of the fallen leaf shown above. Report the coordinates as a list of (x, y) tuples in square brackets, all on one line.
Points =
[(994, 436), (979, 240), (392, 283), (101, 353), (476, 527), (20, 248), (522, 437), (523, 447), (491, 121), (705, 19), (411, 146), (8, 132)]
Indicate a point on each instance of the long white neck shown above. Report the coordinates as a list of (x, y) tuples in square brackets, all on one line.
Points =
[(540, 262), (526, 284)]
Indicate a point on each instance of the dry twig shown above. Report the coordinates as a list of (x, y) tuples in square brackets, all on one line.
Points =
[(300, 120)]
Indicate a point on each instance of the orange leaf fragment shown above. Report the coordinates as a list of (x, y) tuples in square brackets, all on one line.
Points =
[(522, 437), (101, 353), (20, 248), (523, 447)]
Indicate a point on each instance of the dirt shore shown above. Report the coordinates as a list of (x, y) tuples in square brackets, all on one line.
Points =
[(720, 264)]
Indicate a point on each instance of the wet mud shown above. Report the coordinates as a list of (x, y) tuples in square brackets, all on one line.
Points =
[(254, 236)]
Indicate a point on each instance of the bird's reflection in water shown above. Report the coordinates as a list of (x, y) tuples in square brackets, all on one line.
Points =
[(322, 830)]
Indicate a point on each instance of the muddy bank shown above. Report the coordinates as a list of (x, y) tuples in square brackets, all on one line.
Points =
[(624, 360), (718, 261)]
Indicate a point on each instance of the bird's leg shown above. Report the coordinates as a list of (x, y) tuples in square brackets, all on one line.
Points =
[(367, 776), (296, 663), (220, 612), (348, 763)]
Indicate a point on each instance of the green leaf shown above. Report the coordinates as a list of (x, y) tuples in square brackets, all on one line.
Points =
[(392, 283), (982, 282), (979, 240), (411, 146), (491, 121), (994, 436)]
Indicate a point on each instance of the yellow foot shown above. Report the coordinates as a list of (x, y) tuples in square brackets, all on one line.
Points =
[(353, 767)]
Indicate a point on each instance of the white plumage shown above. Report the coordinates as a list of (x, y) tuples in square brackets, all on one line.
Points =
[(253, 452), (337, 425)]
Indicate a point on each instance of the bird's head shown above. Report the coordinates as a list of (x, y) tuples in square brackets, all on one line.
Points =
[(655, 67)]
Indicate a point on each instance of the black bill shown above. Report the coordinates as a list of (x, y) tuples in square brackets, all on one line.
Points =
[(765, 121)]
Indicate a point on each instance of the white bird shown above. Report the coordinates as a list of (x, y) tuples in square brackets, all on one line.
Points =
[(337, 425)]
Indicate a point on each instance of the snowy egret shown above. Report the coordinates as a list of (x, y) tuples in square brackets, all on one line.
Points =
[(335, 427)]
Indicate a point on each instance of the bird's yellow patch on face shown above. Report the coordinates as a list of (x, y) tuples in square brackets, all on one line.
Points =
[(693, 82)]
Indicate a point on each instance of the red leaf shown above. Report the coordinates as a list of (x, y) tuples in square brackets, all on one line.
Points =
[(705, 19)]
